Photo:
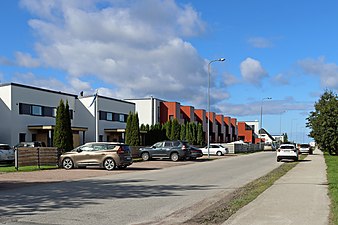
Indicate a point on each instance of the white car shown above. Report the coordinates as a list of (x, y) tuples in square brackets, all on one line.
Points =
[(6, 153), (215, 149), (287, 151), (305, 148)]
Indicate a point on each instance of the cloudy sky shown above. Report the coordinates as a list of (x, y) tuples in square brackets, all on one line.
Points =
[(284, 50)]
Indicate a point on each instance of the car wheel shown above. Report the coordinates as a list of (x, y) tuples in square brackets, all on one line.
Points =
[(109, 164), (67, 163), (174, 157), (219, 153), (145, 156), (278, 159)]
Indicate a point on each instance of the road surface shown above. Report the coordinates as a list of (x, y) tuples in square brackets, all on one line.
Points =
[(167, 196)]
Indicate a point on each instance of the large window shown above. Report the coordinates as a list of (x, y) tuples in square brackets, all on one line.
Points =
[(38, 110), (111, 116)]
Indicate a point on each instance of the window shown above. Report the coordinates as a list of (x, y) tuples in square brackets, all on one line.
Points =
[(36, 110), (22, 137), (167, 144), (48, 111), (24, 109), (110, 116)]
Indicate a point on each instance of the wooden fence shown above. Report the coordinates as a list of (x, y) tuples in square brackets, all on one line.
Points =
[(39, 156)]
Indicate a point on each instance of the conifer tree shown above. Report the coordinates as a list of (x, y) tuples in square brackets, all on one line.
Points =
[(175, 130), (63, 137), (182, 133)]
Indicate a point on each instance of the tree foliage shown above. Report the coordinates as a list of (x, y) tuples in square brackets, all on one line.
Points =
[(132, 135), (175, 130), (63, 136), (323, 122)]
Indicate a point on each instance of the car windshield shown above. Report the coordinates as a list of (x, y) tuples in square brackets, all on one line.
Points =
[(286, 147), (304, 146)]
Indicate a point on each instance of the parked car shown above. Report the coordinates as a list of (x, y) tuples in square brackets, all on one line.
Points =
[(174, 150), (215, 149), (195, 153), (305, 148), (6, 154), (287, 151), (30, 144), (269, 147), (108, 155)]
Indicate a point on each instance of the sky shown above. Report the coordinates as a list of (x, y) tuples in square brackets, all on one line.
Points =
[(283, 50)]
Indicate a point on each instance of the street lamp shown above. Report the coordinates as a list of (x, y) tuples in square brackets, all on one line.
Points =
[(216, 60), (260, 135)]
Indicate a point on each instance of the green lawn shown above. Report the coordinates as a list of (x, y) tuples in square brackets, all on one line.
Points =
[(10, 168), (332, 176)]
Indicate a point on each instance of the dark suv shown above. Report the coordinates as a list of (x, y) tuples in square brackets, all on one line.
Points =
[(174, 150)]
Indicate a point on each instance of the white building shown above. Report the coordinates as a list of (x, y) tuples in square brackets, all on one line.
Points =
[(148, 110), (28, 114)]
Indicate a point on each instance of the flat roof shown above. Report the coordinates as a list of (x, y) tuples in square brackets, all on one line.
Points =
[(37, 88)]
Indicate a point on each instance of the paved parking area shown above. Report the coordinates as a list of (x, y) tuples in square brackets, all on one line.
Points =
[(21, 179)]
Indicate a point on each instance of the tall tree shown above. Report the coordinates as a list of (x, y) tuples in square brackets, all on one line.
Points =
[(132, 136), (175, 130), (323, 122), (200, 137), (69, 133), (182, 133), (128, 135), (62, 130), (135, 130)]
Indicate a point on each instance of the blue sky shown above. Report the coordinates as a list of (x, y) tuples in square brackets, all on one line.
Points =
[(286, 50)]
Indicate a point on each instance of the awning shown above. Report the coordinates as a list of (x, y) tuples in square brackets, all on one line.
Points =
[(121, 130), (51, 127)]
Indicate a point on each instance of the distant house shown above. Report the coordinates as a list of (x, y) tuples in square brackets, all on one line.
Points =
[(267, 138)]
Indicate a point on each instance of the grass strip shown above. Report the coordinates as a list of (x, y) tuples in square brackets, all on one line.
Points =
[(332, 177), (230, 204), (8, 169)]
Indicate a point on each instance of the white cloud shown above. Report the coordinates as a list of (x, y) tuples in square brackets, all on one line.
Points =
[(327, 72), (271, 107), (280, 79), (230, 79), (260, 42), (26, 60), (252, 71), (136, 47), (42, 82)]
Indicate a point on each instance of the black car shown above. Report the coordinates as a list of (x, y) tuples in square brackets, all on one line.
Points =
[(195, 152), (174, 150)]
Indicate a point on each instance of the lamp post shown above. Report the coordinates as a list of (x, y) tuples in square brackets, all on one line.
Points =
[(260, 135), (280, 126), (209, 65)]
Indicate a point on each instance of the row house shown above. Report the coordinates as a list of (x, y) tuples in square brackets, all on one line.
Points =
[(245, 133), (28, 114), (222, 128)]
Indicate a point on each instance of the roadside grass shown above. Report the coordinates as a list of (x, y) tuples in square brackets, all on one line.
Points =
[(230, 204), (332, 177), (10, 168)]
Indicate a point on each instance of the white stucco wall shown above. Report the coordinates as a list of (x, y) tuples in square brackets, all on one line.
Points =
[(148, 110)]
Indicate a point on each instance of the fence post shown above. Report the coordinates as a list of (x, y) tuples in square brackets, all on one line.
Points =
[(16, 158), (38, 149)]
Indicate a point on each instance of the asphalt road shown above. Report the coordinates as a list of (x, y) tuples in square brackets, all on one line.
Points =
[(167, 196)]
